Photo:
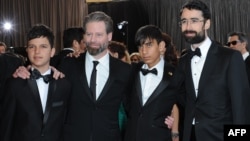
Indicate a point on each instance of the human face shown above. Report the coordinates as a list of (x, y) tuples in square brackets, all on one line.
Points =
[(39, 53), (2, 49), (150, 52), (97, 39), (240, 46), (193, 26), (135, 59), (82, 46)]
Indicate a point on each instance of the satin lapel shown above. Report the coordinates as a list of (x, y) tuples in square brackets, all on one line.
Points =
[(35, 92), (83, 77), (190, 83), (208, 67), (51, 91), (167, 74), (138, 89)]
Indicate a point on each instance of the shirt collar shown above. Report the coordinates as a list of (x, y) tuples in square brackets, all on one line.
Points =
[(204, 47), (159, 66), (245, 55), (103, 60)]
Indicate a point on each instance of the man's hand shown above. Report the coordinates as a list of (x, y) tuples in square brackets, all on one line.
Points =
[(169, 121), (75, 54), (22, 72), (57, 74)]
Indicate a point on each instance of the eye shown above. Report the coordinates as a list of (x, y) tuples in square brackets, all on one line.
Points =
[(149, 44), (193, 21)]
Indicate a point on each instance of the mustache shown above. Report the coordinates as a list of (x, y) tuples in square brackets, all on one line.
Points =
[(189, 31)]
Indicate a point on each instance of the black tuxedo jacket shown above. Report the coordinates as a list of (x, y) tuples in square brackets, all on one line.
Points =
[(57, 59), (8, 64), (89, 119), (23, 117), (223, 94), (146, 122)]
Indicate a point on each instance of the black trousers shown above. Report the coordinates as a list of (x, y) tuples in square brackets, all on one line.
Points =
[(192, 137)]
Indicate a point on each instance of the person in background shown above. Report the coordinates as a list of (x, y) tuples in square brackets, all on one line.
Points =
[(135, 57), (99, 84), (239, 41), (8, 64), (119, 50), (169, 53), (150, 103), (73, 42), (214, 77), (3, 47), (34, 109)]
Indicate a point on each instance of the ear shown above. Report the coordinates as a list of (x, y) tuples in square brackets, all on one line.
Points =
[(110, 36), (207, 24), (53, 50), (162, 46), (115, 55), (75, 43)]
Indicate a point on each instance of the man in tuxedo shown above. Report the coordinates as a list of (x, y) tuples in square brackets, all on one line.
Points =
[(153, 94), (34, 109), (239, 41), (72, 43), (99, 84), (216, 84)]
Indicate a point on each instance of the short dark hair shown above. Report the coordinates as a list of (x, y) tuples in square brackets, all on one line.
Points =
[(242, 36), (99, 16), (41, 30), (197, 5), (148, 32), (118, 47), (71, 34)]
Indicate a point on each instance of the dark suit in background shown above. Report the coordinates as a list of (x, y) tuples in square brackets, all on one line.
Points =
[(57, 59), (8, 64), (23, 118)]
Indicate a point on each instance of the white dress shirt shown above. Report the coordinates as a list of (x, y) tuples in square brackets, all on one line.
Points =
[(43, 89), (197, 64), (102, 71), (150, 81)]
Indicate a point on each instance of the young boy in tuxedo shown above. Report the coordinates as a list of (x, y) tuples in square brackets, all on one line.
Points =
[(34, 108), (153, 95)]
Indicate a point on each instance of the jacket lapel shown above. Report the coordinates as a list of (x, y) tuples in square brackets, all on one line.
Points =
[(167, 74), (51, 91), (208, 67), (83, 77), (113, 72), (35, 92)]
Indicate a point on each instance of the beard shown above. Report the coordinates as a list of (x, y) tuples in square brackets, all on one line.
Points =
[(198, 38), (96, 51)]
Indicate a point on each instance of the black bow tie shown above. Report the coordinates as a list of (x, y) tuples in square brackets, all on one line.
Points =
[(197, 52), (146, 71), (35, 74)]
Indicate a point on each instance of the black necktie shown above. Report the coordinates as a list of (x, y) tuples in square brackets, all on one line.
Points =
[(35, 74), (196, 52), (93, 80), (146, 71)]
